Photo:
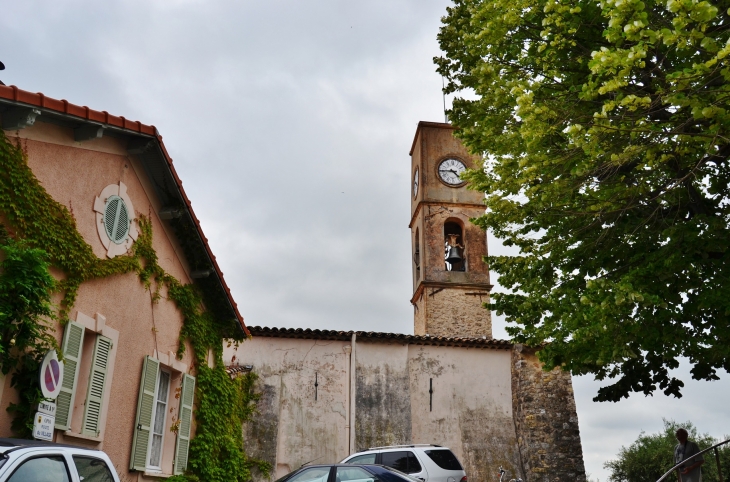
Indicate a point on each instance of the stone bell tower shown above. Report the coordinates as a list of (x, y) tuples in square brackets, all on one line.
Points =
[(450, 279)]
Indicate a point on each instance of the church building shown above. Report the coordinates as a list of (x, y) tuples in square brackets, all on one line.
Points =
[(327, 394)]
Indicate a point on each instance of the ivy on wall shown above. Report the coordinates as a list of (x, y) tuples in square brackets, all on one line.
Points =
[(45, 235)]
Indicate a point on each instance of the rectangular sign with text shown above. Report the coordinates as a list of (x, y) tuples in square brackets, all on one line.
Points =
[(43, 426), (49, 408)]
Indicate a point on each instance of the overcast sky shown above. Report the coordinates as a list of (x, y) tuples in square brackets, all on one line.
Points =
[(290, 123)]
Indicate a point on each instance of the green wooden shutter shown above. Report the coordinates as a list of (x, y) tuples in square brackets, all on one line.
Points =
[(73, 343), (145, 408), (186, 418), (97, 382)]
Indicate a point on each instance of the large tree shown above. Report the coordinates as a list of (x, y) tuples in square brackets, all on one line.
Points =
[(606, 133)]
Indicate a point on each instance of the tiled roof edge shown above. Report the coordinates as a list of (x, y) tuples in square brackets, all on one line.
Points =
[(17, 95), (314, 334)]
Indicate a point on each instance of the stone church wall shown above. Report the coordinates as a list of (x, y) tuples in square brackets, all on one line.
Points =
[(546, 421), (456, 310)]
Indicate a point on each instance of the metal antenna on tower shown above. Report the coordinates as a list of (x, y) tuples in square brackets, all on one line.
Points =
[(443, 94)]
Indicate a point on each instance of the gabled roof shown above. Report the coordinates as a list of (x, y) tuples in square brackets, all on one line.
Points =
[(310, 334), (144, 142)]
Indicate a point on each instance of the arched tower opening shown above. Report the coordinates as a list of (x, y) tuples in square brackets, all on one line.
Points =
[(454, 247)]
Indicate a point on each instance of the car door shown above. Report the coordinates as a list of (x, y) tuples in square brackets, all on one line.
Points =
[(405, 461)]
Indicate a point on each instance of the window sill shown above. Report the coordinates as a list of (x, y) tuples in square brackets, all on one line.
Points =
[(157, 475), (79, 436)]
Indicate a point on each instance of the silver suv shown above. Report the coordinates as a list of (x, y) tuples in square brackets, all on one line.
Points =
[(429, 463), (32, 460)]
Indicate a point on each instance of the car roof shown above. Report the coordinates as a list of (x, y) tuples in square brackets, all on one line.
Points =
[(8, 445), (411, 446)]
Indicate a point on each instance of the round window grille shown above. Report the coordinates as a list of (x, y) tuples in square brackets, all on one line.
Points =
[(116, 219)]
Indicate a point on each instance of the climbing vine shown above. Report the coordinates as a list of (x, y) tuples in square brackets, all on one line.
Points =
[(44, 235)]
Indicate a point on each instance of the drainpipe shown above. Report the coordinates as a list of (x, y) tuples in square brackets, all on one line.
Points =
[(348, 350), (353, 367)]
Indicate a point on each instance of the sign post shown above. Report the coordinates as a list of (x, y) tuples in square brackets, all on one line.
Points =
[(50, 378)]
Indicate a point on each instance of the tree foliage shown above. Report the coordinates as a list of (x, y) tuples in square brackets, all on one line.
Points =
[(606, 133), (651, 456), (25, 332)]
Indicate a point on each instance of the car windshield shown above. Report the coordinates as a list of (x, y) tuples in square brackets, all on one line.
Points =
[(444, 459)]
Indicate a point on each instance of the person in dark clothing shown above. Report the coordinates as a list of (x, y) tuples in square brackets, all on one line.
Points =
[(686, 451)]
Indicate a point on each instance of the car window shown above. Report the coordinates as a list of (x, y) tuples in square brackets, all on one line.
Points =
[(91, 469), (444, 459), (389, 474), (413, 465), (362, 459), (350, 474), (51, 468), (313, 474), (397, 460)]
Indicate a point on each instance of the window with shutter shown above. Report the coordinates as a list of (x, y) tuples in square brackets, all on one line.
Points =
[(95, 391), (73, 342), (145, 407), (160, 417), (186, 418)]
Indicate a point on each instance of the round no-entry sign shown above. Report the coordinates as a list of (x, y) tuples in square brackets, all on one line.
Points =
[(51, 375)]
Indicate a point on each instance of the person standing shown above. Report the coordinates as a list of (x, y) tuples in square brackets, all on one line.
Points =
[(686, 451)]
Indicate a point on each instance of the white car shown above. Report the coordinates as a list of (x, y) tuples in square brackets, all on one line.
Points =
[(33, 460), (429, 463)]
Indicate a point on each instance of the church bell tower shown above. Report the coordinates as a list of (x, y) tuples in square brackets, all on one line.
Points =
[(450, 278)]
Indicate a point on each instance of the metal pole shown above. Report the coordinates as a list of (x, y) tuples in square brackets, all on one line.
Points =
[(719, 469)]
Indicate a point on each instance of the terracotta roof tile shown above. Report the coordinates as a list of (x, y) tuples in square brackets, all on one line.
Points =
[(308, 333)]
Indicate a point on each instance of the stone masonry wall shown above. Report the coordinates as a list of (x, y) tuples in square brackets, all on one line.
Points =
[(545, 420), (456, 312)]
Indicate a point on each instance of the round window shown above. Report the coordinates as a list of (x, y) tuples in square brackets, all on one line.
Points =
[(116, 219)]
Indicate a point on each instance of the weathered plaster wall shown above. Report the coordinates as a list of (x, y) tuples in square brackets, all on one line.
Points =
[(471, 411), (294, 427), (546, 420), (74, 174), (382, 400)]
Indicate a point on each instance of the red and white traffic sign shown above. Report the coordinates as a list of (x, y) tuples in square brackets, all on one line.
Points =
[(51, 375)]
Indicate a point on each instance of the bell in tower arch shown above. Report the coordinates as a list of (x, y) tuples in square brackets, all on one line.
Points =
[(453, 247), (454, 253)]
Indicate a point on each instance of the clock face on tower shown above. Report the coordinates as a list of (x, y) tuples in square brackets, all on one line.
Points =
[(415, 183), (449, 171)]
